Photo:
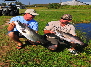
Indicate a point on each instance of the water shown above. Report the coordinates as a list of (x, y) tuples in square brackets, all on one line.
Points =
[(84, 27)]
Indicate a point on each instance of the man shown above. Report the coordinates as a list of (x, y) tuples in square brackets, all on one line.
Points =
[(28, 20), (61, 25)]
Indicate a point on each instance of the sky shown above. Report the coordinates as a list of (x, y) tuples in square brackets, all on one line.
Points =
[(26, 2)]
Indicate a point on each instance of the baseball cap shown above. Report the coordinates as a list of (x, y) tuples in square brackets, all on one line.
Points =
[(31, 11), (66, 17)]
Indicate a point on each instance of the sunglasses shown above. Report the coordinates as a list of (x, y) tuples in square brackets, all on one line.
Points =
[(32, 15), (66, 19)]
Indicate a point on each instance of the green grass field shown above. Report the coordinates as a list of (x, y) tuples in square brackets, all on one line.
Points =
[(39, 56)]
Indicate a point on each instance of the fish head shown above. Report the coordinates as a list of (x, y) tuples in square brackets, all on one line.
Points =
[(18, 23)]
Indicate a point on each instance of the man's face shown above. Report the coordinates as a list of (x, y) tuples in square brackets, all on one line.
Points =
[(28, 17)]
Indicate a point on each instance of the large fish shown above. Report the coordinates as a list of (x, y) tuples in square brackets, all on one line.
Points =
[(30, 34), (68, 37)]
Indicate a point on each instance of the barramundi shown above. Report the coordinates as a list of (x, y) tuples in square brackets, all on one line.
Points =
[(30, 34), (69, 37)]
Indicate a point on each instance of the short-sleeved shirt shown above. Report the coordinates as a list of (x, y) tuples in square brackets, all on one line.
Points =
[(55, 25), (31, 24)]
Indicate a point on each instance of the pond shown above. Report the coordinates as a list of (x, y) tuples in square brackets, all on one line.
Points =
[(84, 27)]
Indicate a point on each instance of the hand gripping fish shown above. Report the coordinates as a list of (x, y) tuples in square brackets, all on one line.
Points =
[(68, 37), (30, 34)]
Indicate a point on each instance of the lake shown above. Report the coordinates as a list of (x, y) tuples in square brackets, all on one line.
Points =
[(84, 27)]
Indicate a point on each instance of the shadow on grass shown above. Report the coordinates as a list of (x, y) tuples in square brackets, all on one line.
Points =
[(87, 50), (60, 47)]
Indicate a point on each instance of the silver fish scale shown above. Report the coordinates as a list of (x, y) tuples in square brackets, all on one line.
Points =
[(68, 37), (29, 33)]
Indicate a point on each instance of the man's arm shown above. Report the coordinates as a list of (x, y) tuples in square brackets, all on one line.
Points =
[(48, 31), (48, 28), (72, 30), (11, 26), (36, 31)]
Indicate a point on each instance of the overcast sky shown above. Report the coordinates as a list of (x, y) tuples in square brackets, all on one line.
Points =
[(26, 2)]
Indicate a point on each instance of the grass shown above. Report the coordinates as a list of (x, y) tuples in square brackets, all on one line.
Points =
[(39, 56)]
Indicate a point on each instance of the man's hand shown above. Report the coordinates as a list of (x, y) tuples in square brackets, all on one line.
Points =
[(72, 42), (48, 31), (11, 26), (52, 32)]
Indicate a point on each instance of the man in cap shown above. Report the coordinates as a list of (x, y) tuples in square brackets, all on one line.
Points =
[(61, 25), (28, 20)]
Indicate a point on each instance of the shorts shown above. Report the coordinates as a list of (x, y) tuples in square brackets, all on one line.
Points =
[(17, 33), (53, 40)]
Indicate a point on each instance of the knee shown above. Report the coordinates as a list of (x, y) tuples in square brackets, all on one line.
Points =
[(53, 47), (11, 34)]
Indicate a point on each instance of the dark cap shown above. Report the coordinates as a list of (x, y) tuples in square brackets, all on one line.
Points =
[(66, 17)]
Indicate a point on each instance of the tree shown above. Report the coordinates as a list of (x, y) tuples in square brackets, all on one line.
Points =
[(3, 4), (53, 5), (19, 3)]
